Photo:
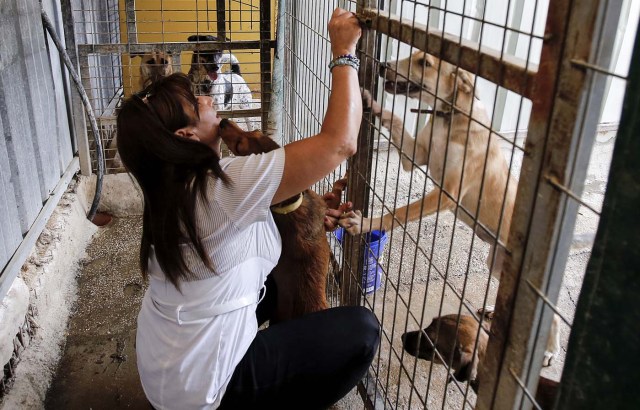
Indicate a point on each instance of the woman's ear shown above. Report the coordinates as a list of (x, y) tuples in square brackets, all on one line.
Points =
[(187, 132)]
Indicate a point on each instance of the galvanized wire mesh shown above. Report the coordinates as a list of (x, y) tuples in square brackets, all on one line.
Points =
[(436, 264), (122, 45)]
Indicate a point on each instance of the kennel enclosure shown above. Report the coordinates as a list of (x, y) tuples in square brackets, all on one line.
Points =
[(547, 71)]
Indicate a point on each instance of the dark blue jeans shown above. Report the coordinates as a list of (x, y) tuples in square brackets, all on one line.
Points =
[(306, 363)]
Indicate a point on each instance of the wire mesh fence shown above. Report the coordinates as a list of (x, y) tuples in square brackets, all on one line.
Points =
[(479, 176), (458, 116), (224, 46)]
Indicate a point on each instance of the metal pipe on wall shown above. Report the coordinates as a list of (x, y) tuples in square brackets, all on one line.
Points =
[(87, 104)]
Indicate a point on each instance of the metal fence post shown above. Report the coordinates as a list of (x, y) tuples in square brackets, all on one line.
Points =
[(360, 172), (561, 134), (601, 368), (79, 122)]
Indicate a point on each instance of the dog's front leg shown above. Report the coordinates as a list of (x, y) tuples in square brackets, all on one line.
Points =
[(553, 343), (403, 141), (356, 224)]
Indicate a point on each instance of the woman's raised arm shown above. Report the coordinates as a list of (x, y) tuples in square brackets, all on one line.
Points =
[(309, 160)]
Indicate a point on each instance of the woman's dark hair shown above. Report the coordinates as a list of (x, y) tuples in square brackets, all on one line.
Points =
[(171, 170)]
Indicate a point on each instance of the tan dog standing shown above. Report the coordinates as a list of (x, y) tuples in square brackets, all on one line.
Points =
[(463, 157), (153, 66)]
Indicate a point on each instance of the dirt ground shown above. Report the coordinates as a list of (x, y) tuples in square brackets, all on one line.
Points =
[(98, 367)]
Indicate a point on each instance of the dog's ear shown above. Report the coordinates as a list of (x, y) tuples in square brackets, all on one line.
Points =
[(197, 37), (464, 81), (242, 142)]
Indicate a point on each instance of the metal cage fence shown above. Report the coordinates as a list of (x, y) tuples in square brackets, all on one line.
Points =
[(122, 44), (539, 71)]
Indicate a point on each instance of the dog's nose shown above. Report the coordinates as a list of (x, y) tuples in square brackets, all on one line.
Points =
[(383, 69), (223, 123)]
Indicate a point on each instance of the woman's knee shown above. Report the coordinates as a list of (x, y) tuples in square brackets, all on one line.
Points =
[(365, 328)]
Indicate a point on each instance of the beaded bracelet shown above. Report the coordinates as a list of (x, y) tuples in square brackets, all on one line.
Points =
[(345, 59)]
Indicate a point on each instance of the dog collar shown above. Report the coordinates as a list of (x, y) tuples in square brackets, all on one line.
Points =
[(283, 210), (437, 113)]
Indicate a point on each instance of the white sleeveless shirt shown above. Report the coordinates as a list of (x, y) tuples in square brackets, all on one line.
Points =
[(189, 341)]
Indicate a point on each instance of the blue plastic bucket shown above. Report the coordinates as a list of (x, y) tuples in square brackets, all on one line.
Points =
[(374, 251)]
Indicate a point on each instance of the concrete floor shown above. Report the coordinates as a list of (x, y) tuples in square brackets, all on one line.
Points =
[(98, 366)]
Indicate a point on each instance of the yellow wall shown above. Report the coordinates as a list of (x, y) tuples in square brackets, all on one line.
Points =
[(167, 21)]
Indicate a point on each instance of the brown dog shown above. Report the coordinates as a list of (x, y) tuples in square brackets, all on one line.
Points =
[(153, 66), (455, 343), (452, 338), (301, 272)]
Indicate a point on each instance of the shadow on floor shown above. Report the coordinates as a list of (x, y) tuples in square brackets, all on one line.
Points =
[(98, 367)]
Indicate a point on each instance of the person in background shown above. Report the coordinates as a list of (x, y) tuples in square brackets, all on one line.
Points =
[(209, 242)]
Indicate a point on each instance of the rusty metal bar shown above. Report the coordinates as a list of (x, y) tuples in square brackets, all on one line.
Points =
[(548, 301), (79, 129), (594, 67), (359, 168), (132, 26), (265, 60), (359, 175), (525, 390), (556, 184), (507, 71), (561, 132), (542, 109), (255, 112), (221, 20), (173, 47), (598, 371)]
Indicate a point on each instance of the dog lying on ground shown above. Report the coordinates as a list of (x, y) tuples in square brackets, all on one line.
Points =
[(228, 90), (455, 346), (153, 66), (301, 272), (462, 155), (454, 338)]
